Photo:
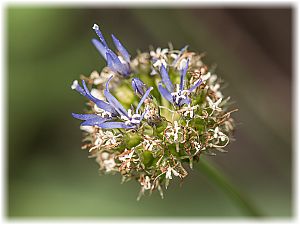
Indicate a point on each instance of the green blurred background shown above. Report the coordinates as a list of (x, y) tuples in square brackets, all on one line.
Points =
[(48, 175)]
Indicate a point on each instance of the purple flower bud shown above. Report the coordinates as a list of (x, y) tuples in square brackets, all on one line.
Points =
[(138, 86), (113, 61)]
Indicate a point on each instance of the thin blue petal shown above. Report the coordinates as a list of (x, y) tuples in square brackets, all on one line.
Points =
[(121, 49), (84, 116), (101, 37), (143, 99), (101, 104), (165, 93), (94, 122), (113, 101), (100, 47), (195, 85), (90, 119), (112, 125), (166, 79), (182, 75), (143, 115), (114, 63), (110, 62)]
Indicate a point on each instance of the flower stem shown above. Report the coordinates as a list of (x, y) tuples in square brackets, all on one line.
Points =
[(239, 198)]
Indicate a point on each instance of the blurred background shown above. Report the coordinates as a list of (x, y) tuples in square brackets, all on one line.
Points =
[(48, 175)]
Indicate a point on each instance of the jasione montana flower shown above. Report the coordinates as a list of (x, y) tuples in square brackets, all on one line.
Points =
[(175, 113)]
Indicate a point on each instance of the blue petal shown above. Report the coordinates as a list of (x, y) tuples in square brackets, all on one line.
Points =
[(114, 63), (166, 79), (182, 75), (98, 32), (101, 104), (184, 101), (112, 125), (165, 93), (94, 122), (90, 119), (84, 116), (113, 101), (100, 47), (121, 49), (110, 62), (138, 86), (195, 85), (143, 99)]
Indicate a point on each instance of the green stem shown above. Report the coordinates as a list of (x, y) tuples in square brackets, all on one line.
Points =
[(216, 177)]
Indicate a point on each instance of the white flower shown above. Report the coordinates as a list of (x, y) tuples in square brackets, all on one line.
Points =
[(229, 125), (173, 131), (205, 77), (219, 135), (169, 172), (110, 138), (215, 86), (128, 155), (214, 105), (94, 75), (197, 146), (103, 139), (149, 143), (213, 78), (132, 118), (160, 62), (215, 89), (146, 183), (99, 79), (159, 53), (188, 110), (88, 129), (178, 94), (108, 162), (159, 57), (104, 75), (175, 55)]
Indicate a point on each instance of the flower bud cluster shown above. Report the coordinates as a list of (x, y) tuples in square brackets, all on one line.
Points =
[(151, 117)]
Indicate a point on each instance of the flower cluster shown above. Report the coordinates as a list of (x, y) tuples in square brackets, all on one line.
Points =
[(149, 117)]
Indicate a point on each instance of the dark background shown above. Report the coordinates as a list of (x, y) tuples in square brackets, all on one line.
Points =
[(48, 47)]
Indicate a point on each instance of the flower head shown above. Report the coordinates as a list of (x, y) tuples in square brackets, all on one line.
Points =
[(130, 126)]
